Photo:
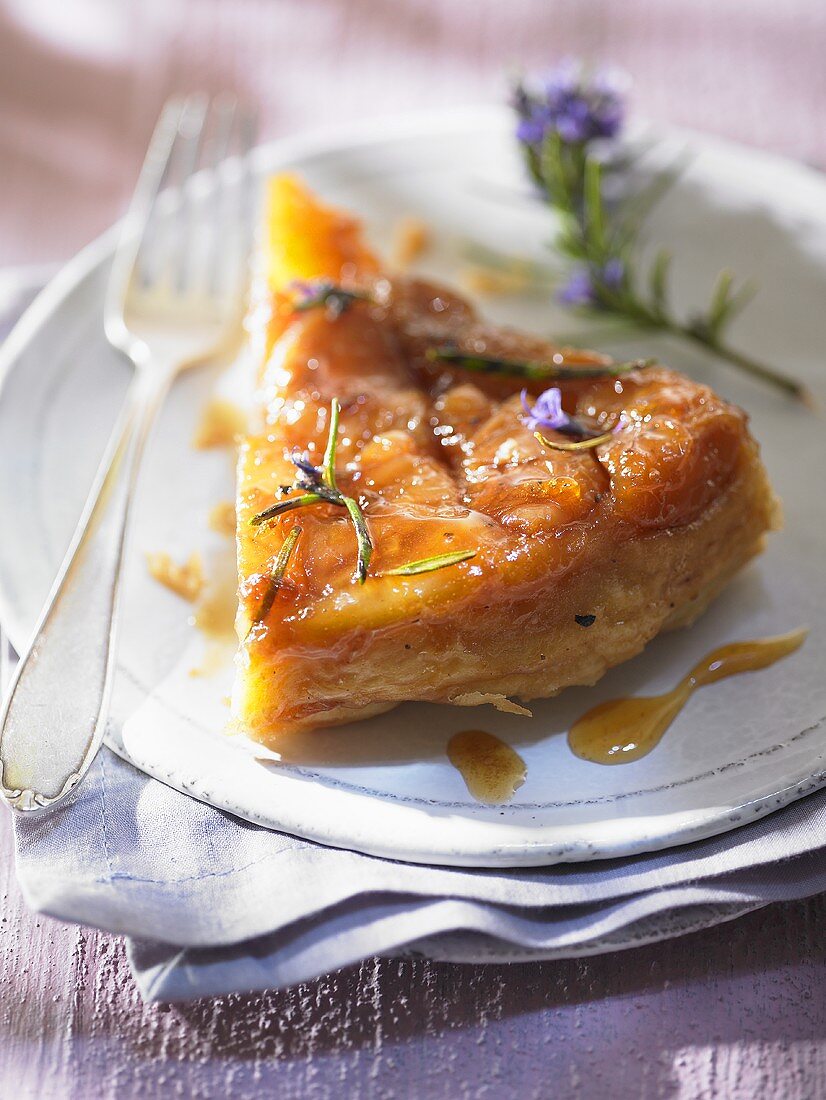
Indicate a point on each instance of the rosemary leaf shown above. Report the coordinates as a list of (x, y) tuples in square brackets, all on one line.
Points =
[(328, 469), (594, 210), (277, 571), (429, 565), (727, 303), (658, 282), (719, 300), (335, 298), (794, 388), (490, 364), (365, 543), (282, 506)]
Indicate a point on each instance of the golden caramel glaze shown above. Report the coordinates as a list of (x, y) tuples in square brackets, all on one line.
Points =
[(620, 731), (440, 460)]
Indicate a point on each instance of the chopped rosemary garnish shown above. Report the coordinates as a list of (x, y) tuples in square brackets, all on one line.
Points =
[(277, 571), (428, 565), (579, 445), (491, 364), (328, 477), (365, 543), (328, 469), (336, 299), (322, 488), (282, 506)]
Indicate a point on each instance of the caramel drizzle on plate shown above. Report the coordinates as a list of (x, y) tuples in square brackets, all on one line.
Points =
[(622, 730), (492, 771)]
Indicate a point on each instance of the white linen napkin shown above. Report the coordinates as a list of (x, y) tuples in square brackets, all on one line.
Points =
[(213, 904)]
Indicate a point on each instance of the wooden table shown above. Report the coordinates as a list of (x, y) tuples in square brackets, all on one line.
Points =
[(736, 1012)]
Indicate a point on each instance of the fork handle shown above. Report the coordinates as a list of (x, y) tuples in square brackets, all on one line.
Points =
[(54, 717)]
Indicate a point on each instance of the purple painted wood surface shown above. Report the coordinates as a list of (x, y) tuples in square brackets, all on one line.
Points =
[(735, 1012)]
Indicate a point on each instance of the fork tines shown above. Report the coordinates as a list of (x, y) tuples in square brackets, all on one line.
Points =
[(188, 232)]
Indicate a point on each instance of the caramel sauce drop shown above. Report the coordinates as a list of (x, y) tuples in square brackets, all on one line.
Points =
[(492, 771), (622, 730)]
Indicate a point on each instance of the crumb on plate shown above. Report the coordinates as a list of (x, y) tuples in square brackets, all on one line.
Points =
[(222, 518), (220, 425), (185, 580)]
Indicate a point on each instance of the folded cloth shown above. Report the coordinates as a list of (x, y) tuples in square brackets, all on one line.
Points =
[(213, 904)]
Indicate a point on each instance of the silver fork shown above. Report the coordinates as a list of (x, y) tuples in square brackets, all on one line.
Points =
[(175, 299)]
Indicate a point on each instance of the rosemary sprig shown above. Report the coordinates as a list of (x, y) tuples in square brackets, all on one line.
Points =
[(322, 488), (277, 571), (429, 565), (521, 368), (649, 309), (602, 240), (335, 298), (328, 476)]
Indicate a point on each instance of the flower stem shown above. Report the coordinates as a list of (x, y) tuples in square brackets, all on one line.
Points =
[(640, 318), (790, 386), (523, 368)]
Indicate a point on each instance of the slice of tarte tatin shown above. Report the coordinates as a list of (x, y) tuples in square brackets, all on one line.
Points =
[(488, 518)]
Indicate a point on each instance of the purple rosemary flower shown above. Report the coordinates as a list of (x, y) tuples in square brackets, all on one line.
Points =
[(582, 288), (534, 124), (309, 476), (579, 289), (613, 273), (573, 103), (547, 413)]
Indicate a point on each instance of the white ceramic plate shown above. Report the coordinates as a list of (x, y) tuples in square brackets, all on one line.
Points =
[(740, 748)]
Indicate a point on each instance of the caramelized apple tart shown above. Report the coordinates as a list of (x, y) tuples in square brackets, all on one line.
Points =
[(434, 508)]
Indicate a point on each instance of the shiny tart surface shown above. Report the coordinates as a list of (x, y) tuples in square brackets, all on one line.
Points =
[(505, 560)]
